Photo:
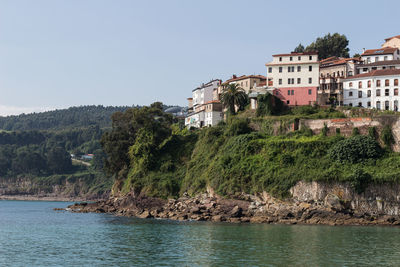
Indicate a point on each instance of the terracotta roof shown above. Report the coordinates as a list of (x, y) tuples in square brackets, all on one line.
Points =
[(379, 51), (212, 101), (333, 61), (390, 38), (381, 63), (296, 54), (376, 73), (262, 77)]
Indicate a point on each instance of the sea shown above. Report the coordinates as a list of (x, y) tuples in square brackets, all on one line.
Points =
[(33, 234)]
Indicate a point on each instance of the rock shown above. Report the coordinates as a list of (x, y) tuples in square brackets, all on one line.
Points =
[(333, 202), (218, 218), (236, 212), (145, 214), (195, 210)]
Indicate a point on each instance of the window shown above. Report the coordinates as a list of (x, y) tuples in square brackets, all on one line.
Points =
[(298, 80), (309, 68), (288, 69), (280, 58), (350, 73), (369, 93), (365, 69), (376, 59), (385, 58), (373, 68), (350, 104), (387, 82), (396, 91), (280, 69), (359, 94), (396, 82), (350, 84), (291, 58), (287, 102), (299, 58), (350, 93), (378, 83), (298, 68), (280, 81), (310, 91), (359, 104), (359, 85), (378, 104), (292, 80), (289, 80), (270, 70), (369, 104), (310, 57), (386, 92), (288, 92), (246, 83), (369, 84), (386, 105), (309, 80), (378, 92), (292, 92), (292, 68)]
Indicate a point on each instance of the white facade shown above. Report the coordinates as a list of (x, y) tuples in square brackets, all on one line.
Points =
[(380, 92), (195, 120), (288, 70), (384, 54), (212, 118), (365, 68), (204, 93)]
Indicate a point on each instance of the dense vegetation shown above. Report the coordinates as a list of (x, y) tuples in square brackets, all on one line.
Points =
[(148, 153)]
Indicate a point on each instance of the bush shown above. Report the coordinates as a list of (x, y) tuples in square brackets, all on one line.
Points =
[(355, 131), (372, 132), (325, 130), (237, 127), (387, 136), (269, 104), (355, 149), (359, 180), (338, 131)]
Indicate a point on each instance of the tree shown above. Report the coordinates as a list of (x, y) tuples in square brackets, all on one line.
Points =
[(330, 45), (299, 48), (59, 160), (233, 96), (356, 55)]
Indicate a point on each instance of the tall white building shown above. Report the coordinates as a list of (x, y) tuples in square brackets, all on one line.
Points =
[(377, 89), (203, 111)]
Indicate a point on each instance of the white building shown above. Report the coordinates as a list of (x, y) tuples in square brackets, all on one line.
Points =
[(202, 109), (379, 65), (377, 89), (381, 54), (295, 77)]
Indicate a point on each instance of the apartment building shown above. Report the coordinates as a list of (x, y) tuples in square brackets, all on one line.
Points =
[(247, 82), (332, 72), (377, 89), (294, 77), (380, 54), (202, 96)]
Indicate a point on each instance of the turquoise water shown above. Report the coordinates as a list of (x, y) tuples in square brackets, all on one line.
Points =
[(32, 234)]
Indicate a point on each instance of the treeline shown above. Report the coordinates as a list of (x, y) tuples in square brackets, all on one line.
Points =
[(74, 117), (41, 153)]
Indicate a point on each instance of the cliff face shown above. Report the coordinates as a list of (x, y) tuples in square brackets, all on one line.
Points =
[(377, 199), (28, 188)]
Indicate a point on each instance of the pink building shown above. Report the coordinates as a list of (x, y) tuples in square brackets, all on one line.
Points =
[(294, 77)]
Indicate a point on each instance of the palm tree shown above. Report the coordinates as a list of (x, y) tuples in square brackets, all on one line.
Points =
[(233, 96)]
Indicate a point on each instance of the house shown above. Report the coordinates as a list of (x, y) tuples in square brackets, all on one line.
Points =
[(332, 72), (202, 105), (247, 82), (294, 77), (380, 54), (378, 65), (376, 89), (392, 42)]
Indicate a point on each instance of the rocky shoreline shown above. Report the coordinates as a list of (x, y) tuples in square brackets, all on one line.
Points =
[(241, 208)]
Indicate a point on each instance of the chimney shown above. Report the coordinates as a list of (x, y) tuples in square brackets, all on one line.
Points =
[(234, 76), (363, 50)]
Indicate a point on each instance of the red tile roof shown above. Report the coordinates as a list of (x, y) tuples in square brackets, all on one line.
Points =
[(212, 101), (296, 54), (332, 61), (381, 63), (390, 38), (376, 73), (380, 51)]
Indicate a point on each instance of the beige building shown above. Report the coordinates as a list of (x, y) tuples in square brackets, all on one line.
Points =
[(332, 72), (247, 82), (392, 42)]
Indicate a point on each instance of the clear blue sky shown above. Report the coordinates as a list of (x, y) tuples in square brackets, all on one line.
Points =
[(61, 53)]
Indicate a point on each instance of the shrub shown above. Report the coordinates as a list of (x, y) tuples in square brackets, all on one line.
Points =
[(372, 132), (338, 131), (387, 136), (269, 104), (355, 149), (355, 131), (359, 180), (237, 127), (325, 130)]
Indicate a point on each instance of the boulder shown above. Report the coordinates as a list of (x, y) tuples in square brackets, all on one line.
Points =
[(236, 212), (145, 214), (333, 202)]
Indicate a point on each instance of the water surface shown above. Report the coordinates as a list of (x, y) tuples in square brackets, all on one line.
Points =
[(32, 234)]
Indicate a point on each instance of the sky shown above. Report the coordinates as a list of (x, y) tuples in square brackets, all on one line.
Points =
[(62, 53)]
